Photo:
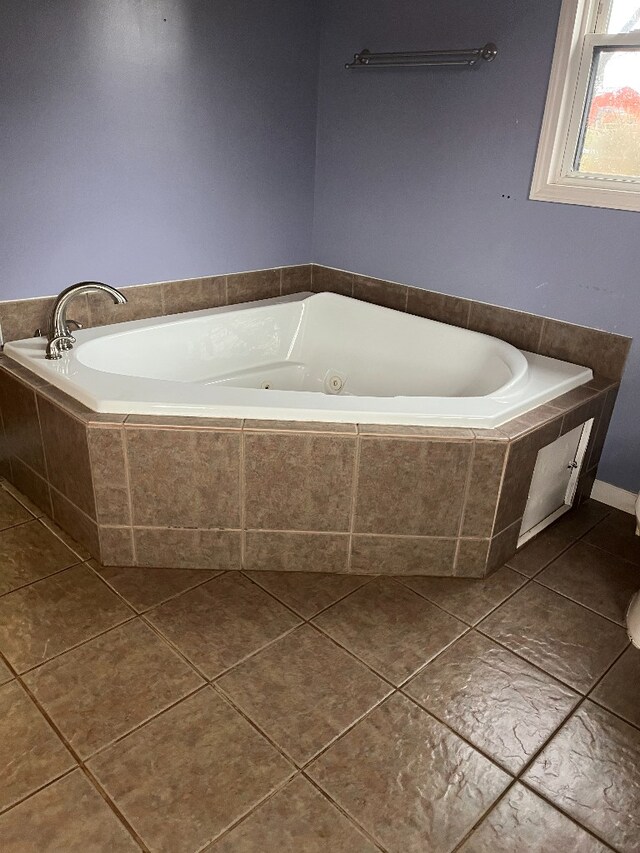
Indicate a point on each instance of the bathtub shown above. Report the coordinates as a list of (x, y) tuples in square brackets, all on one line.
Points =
[(305, 357)]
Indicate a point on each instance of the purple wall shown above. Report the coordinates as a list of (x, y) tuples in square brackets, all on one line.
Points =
[(154, 139), (414, 166)]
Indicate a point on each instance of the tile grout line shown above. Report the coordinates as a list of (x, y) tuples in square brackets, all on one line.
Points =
[(80, 765), (242, 493), (354, 498)]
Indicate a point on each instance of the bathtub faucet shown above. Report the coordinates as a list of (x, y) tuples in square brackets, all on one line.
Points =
[(59, 337)]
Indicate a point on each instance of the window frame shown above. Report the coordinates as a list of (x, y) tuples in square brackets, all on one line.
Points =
[(553, 177)]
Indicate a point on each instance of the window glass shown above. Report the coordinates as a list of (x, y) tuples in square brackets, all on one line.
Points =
[(609, 143), (624, 16)]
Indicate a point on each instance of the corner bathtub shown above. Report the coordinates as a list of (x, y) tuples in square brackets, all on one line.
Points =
[(306, 357)]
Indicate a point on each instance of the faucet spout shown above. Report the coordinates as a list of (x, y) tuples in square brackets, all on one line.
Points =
[(59, 334)]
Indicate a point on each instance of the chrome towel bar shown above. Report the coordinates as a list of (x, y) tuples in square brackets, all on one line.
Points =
[(366, 59)]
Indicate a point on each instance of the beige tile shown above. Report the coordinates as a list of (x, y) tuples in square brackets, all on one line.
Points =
[(21, 317), (67, 454), (472, 558), (194, 294), (518, 328), (298, 482), (110, 685), (31, 753), (298, 818), (303, 691), (108, 469), (69, 541), (409, 430), (532, 557), (438, 306), (32, 486), (168, 548), (11, 511), (69, 816), (83, 529), (184, 478), (116, 546), (221, 622), (495, 700), (249, 286), (619, 690), (294, 552), (604, 352), (385, 293), (190, 773), (21, 423), (402, 555), (327, 279), (5, 672), (523, 822), (590, 771), (30, 552), (594, 578), (307, 592), (566, 640), (411, 487), (295, 279), (266, 425), (50, 616), (615, 534), (503, 546), (484, 487), (389, 627), (406, 778), (183, 422), (469, 600), (142, 301), (144, 588)]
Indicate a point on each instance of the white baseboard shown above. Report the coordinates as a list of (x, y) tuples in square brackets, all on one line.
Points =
[(614, 496)]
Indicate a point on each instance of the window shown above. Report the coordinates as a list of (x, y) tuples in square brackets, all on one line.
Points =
[(589, 150)]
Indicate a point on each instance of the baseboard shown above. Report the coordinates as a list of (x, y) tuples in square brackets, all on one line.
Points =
[(614, 496)]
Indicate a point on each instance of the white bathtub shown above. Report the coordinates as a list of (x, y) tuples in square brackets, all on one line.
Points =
[(319, 357)]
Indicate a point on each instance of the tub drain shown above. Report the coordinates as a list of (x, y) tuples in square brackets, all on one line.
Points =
[(266, 386)]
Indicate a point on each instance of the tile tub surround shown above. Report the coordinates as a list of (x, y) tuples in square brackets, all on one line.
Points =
[(207, 494)]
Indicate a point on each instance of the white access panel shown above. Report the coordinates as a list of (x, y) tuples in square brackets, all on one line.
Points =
[(554, 480)]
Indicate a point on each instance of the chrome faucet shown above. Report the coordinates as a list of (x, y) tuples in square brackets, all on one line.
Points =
[(59, 337)]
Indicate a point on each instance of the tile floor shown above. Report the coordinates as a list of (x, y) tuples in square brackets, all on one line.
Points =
[(182, 711)]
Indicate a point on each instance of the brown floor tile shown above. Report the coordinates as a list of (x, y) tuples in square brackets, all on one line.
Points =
[(595, 578), (69, 816), (299, 819), (619, 690), (5, 672), (21, 498), (590, 771), (500, 703), (190, 773), (468, 599), (540, 551), (144, 588), (391, 628), (31, 753), (563, 638), (580, 520), (406, 778), (30, 552), (307, 592), (69, 541), (523, 823), (40, 621), (11, 511), (219, 623), (615, 534), (303, 691), (110, 685)]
